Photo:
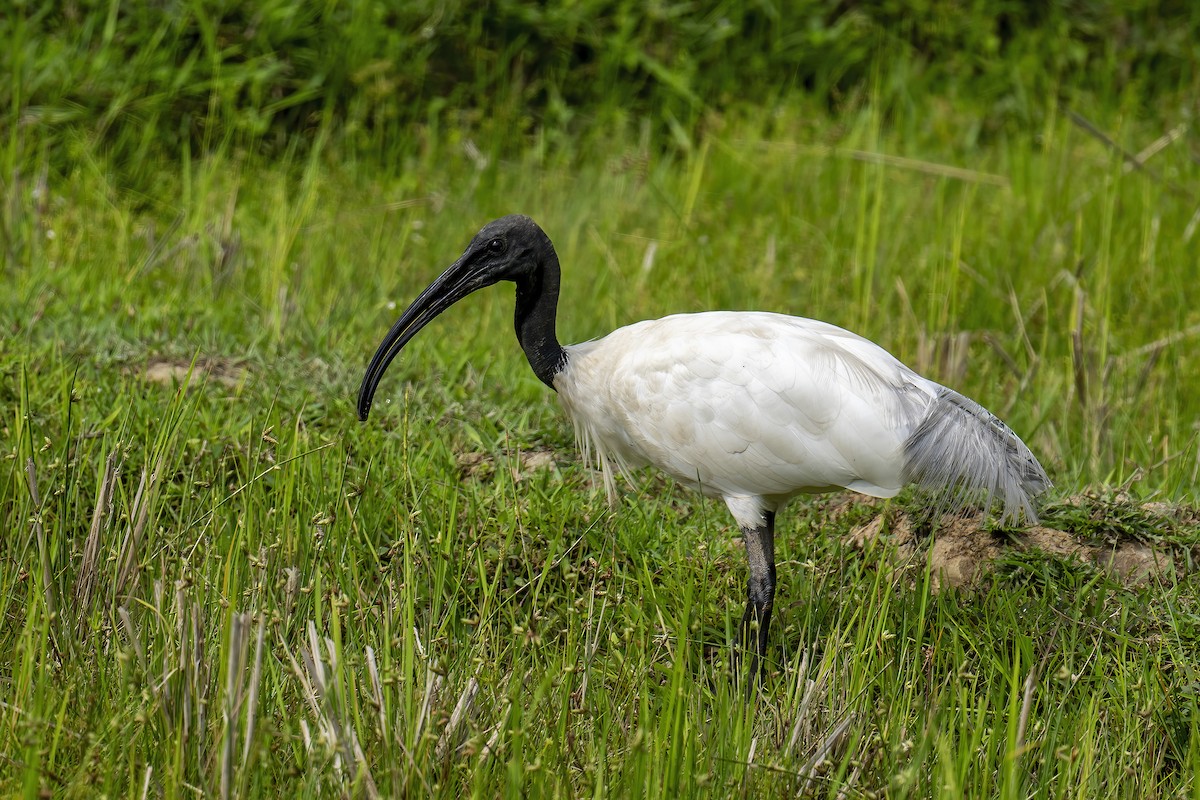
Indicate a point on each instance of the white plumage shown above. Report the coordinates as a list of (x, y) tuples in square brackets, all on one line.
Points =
[(760, 407), (746, 404), (750, 407)]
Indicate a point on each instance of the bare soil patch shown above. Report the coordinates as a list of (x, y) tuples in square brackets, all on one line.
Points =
[(962, 550), (175, 372)]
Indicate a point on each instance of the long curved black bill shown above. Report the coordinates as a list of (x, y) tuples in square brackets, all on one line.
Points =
[(451, 286)]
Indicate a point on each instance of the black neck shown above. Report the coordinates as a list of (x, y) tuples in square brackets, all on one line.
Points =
[(537, 306)]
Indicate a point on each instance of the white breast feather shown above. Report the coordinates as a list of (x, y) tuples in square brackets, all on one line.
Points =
[(738, 403)]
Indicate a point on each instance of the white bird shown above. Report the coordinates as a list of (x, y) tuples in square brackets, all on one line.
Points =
[(749, 407)]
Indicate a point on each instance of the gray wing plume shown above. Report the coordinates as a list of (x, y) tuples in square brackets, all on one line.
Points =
[(962, 452)]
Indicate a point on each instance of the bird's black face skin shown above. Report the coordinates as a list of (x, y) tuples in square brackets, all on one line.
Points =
[(506, 249)]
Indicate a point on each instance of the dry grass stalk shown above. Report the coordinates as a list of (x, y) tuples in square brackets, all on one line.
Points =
[(1190, 229), (811, 689), (899, 162), (252, 700), (233, 697), (461, 709), (1158, 145), (239, 695), (433, 687), (1026, 705), (376, 691), (139, 515), (156, 689), (834, 737), (1132, 161), (193, 669), (85, 582), (318, 690), (40, 531), (146, 776), (491, 747)]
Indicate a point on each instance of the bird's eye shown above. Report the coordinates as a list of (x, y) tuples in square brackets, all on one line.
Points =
[(496, 245)]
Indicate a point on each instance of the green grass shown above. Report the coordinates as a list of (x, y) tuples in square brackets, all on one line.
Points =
[(151, 81), (236, 588)]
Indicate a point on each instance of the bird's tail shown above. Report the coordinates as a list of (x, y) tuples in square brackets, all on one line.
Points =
[(965, 453)]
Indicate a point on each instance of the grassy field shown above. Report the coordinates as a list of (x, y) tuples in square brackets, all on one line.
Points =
[(215, 581)]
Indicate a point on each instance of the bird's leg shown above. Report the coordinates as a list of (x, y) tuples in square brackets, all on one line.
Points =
[(756, 622)]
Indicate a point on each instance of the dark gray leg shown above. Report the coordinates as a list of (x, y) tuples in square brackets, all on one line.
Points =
[(756, 622)]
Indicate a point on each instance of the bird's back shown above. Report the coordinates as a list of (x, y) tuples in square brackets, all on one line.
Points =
[(747, 403)]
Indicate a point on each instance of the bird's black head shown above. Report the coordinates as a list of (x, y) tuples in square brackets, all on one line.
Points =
[(511, 248), (507, 249)]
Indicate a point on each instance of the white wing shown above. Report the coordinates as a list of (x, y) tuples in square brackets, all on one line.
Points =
[(738, 403)]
